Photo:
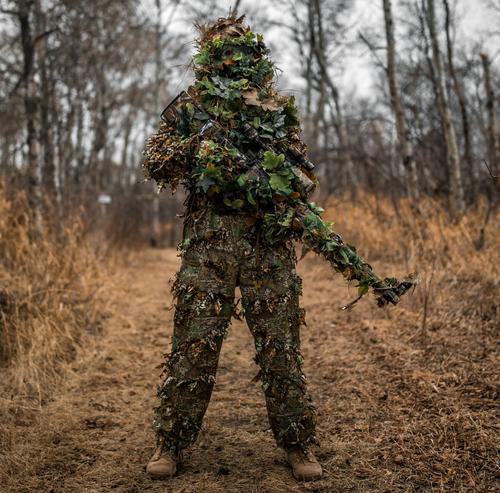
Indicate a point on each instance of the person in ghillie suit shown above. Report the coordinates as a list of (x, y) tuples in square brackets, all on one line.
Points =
[(242, 216)]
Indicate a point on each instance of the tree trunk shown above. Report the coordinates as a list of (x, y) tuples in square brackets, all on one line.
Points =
[(493, 141), (456, 187), (405, 148), (124, 159), (343, 136), (31, 104), (155, 209), (79, 145), (462, 101), (46, 134), (309, 59)]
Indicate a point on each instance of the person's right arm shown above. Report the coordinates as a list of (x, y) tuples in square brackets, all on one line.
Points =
[(168, 156)]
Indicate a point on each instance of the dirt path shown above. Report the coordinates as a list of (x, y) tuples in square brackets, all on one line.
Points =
[(383, 406)]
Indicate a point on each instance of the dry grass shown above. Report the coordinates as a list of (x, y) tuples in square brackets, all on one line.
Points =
[(458, 263), (407, 397), (50, 289)]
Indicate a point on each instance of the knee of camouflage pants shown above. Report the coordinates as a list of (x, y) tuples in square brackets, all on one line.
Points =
[(270, 289)]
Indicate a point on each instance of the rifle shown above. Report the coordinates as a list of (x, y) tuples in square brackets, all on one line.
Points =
[(305, 218)]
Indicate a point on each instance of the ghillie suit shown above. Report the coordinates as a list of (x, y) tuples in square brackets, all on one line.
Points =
[(242, 216)]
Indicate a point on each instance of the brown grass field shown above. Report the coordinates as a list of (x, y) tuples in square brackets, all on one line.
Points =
[(407, 397)]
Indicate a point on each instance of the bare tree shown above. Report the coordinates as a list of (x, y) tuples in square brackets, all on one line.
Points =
[(81, 89), (405, 147), (319, 50), (155, 210), (458, 88), (30, 96), (456, 186), (493, 140)]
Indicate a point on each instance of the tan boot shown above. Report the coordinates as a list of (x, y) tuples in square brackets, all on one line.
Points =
[(162, 464), (305, 467)]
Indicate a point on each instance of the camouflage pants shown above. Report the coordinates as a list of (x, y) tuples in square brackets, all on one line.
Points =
[(217, 257)]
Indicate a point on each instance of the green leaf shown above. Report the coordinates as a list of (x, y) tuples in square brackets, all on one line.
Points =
[(344, 256), (267, 128), (205, 183), (362, 289), (251, 198), (199, 115), (287, 219), (272, 161), (233, 152), (330, 246), (316, 208), (235, 204), (201, 58), (241, 180), (218, 42), (280, 184), (279, 120)]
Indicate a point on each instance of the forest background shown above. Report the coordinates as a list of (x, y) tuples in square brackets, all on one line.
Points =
[(399, 108)]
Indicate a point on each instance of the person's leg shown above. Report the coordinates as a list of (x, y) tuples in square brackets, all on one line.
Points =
[(270, 291), (204, 290)]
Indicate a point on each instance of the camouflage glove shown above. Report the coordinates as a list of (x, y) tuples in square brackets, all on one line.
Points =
[(390, 290)]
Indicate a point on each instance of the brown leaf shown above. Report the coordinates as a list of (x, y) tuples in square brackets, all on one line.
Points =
[(252, 99), (269, 105)]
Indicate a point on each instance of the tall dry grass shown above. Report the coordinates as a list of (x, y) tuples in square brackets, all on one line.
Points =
[(455, 261), (454, 311), (50, 298)]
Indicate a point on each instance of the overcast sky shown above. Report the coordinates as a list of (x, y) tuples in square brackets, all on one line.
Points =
[(357, 71)]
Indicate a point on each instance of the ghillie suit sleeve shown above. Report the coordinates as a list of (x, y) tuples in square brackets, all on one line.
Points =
[(235, 143), (169, 155), (317, 235)]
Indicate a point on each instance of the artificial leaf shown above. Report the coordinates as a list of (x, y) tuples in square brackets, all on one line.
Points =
[(272, 161), (269, 105), (280, 184), (241, 180), (251, 97)]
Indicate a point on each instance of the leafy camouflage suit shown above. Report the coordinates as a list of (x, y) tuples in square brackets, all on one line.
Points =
[(238, 231), (223, 247)]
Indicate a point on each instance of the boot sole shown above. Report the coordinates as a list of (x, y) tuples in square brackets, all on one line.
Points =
[(161, 476), (307, 479)]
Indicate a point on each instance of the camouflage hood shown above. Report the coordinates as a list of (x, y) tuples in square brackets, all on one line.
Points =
[(230, 49), (235, 82)]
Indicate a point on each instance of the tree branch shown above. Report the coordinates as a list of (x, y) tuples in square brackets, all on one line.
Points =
[(373, 50)]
